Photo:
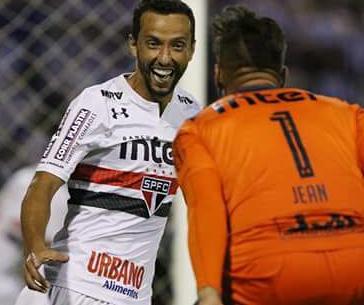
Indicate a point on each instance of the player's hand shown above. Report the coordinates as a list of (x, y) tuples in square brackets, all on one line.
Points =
[(33, 278), (208, 296)]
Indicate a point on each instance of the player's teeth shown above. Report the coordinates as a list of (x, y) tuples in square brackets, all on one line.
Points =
[(162, 72)]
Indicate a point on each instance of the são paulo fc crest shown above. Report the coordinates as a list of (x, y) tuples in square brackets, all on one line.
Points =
[(154, 191)]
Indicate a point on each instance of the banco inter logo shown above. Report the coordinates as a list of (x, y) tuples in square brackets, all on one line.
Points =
[(154, 191), (112, 95), (147, 150)]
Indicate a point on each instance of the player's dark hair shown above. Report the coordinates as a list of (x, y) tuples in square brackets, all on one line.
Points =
[(241, 39), (163, 7)]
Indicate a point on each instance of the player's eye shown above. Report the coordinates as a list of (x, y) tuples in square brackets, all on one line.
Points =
[(179, 45), (152, 44)]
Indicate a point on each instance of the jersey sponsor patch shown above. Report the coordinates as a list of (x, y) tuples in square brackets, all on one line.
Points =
[(311, 224), (72, 134), (260, 98), (148, 150), (121, 275), (56, 135), (112, 95)]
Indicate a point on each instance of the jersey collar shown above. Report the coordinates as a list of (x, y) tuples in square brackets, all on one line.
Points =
[(170, 113), (136, 97)]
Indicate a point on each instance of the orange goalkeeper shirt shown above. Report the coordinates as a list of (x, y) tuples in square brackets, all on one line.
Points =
[(270, 171)]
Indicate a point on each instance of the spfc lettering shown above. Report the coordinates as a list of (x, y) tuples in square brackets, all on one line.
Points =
[(112, 95), (156, 185), (155, 150), (154, 191)]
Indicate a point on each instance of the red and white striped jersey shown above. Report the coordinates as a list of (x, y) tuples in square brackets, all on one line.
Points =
[(115, 151)]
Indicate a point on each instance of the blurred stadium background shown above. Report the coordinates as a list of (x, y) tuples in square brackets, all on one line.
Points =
[(50, 50)]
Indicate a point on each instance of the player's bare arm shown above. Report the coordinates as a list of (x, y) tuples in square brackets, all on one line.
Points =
[(34, 218), (209, 296)]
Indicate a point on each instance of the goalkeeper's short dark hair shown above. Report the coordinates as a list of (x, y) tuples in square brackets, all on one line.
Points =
[(163, 7), (242, 39)]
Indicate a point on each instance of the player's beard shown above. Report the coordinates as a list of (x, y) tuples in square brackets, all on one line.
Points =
[(160, 89)]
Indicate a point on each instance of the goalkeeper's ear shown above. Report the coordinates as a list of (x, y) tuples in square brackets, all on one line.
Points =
[(132, 44)]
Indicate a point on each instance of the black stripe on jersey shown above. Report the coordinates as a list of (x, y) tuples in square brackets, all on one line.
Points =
[(312, 96), (115, 202), (233, 104), (163, 210), (218, 107)]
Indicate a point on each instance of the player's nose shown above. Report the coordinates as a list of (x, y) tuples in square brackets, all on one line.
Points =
[(164, 56)]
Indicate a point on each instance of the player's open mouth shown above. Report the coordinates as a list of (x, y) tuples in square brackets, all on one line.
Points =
[(162, 75)]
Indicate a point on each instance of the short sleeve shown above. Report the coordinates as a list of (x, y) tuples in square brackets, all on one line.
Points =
[(77, 134)]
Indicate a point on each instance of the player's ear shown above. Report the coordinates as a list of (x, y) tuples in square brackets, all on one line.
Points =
[(132, 45), (218, 80), (284, 76), (216, 74), (193, 44)]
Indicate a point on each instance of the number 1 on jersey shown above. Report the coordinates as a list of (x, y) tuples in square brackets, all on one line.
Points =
[(294, 142)]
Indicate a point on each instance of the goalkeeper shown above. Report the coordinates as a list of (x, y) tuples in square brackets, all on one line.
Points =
[(273, 180)]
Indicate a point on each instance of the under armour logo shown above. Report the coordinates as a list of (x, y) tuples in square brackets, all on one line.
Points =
[(115, 114)]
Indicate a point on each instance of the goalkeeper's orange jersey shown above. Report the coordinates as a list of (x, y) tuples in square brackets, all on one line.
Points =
[(270, 171)]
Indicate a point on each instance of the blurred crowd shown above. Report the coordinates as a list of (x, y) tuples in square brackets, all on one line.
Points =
[(51, 49), (326, 43)]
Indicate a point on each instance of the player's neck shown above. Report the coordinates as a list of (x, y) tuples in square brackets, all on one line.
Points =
[(256, 79), (139, 86)]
